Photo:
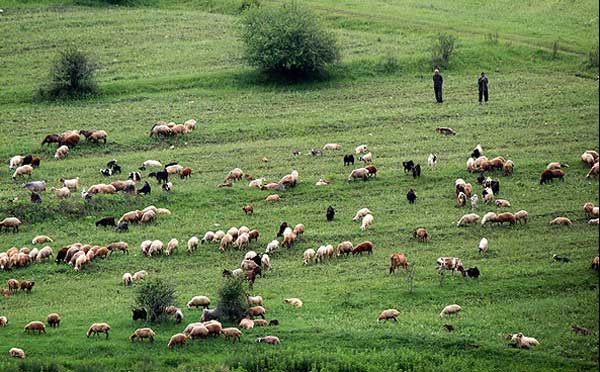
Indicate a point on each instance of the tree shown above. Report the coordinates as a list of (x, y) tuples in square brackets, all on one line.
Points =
[(155, 295), (72, 76)]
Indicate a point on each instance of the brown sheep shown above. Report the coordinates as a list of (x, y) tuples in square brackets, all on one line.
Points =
[(35, 326), (246, 323), (508, 167), (561, 221), (505, 217), (273, 198), (344, 248), (13, 285), (10, 223), (26, 286), (232, 333), (118, 246), (214, 328), (420, 234), (142, 333), (365, 246), (257, 311), (53, 320), (550, 174), (261, 323), (388, 314), (177, 340), (98, 328), (397, 260), (248, 209)]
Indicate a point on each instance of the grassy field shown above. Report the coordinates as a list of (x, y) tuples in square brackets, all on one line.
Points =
[(182, 59)]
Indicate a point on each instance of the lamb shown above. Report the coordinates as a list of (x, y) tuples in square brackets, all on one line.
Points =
[(10, 223), (22, 170), (308, 255), (449, 263), (41, 239), (13, 285), (590, 210), (273, 198), (142, 333), (344, 248), (61, 193), (253, 235), (332, 146), (432, 160), (474, 201), (445, 131), (594, 221), (127, 279), (235, 174), (246, 323), (368, 158), (271, 340), (523, 342), (388, 314), (420, 234), (171, 246), (295, 302), (289, 239), (361, 173), (190, 124), (522, 215), (397, 260), (72, 184), (16, 353), (177, 340), (248, 209), (503, 203), (483, 245), (361, 213), (468, 219), (61, 152), (450, 310), (147, 217), (367, 221), (26, 285), (561, 221), (508, 167), (411, 196), (198, 301), (365, 246), (298, 229), (232, 333), (361, 149), (35, 326), (53, 320), (348, 159)]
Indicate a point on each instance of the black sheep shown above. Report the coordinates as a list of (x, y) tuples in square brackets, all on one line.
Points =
[(416, 171), (495, 185), (161, 176), (146, 189), (111, 163), (561, 259), (411, 196), (408, 165), (257, 260), (475, 154), (27, 159), (107, 172), (349, 159), (330, 213), (139, 314), (134, 176), (282, 228), (35, 197), (273, 322), (171, 163), (116, 169), (481, 178), (166, 187), (472, 272), (122, 227), (60, 256), (106, 221)]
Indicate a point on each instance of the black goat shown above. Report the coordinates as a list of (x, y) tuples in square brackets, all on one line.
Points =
[(330, 213), (122, 227), (134, 176), (408, 165), (140, 314), (161, 176), (282, 228), (471, 273), (146, 189), (106, 221), (349, 159), (416, 171), (411, 196)]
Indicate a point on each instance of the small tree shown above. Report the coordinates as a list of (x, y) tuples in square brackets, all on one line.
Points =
[(442, 49), (73, 75), (233, 299), (155, 295), (289, 41)]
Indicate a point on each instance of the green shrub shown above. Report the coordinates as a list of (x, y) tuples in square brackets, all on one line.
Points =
[(72, 76), (388, 64), (155, 295), (287, 41), (593, 57), (247, 4), (442, 49), (233, 299)]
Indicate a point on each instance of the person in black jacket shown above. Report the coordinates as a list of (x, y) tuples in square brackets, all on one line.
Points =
[(437, 85), (483, 87)]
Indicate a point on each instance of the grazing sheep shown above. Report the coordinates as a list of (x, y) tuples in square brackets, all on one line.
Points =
[(468, 219), (432, 160), (248, 209), (235, 174), (147, 217), (594, 171), (445, 131), (503, 203), (232, 333), (226, 240), (360, 149), (266, 261), (411, 196), (273, 198), (41, 239), (365, 246), (140, 275), (348, 159), (197, 331), (450, 310), (488, 217), (522, 215), (255, 300), (198, 301), (308, 255), (332, 146), (367, 221), (142, 333), (271, 340), (80, 261), (272, 246), (360, 173), (398, 260), (298, 229), (61, 152), (13, 285), (472, 272), (483, 245), (289, 239), (192, 244), (16, 353), (596, 263), (420, 234), (324, 251), (590, 210), (3, 321), (508, 167), (388, 314), (139, 314), (156, 247), (449, 263), (35, 326), (178, 339), (26, 285), (361, 213), (594, 221), (15, 161), (561, 221), (171, 246), (10, 223), (474, 201), (368, 158), (22, 170), (214, 327), (344, 248), (72, 184), (246, 323), (523, 342), (44, 253), (127, 279), (53, 320), (549, 175), (261, 323)]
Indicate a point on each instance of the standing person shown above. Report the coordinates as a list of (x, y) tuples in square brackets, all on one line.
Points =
[(483, 87), (438, 80)]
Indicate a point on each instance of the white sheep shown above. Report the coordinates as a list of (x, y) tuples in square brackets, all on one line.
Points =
[(361, 213), (44, 253), (295, 302), (367, 221), (483, 245), (171, 246), (61, 152), (324, 251), (432, 160), (468, 219), (474, 201), (192, 244), (22, 170), (360, 149), (41, 239), (198, 301), (145, 247), (127, 279), (266, 261), (250, 255), (368, 158), (272, 246), (450, 310), (61, 193), (151, 163), (16, 353), (140, 275), (257, 182), (488, 217), (156, 247), (308, 255)]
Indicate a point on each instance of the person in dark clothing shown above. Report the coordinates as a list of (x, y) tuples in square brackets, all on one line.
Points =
[(483, 88), (437, 85)]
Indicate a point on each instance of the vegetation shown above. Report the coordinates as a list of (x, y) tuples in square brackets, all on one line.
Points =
[(233, 302), (72, 76), (155, 295), (442, 49), (288, 41), (180, 59)]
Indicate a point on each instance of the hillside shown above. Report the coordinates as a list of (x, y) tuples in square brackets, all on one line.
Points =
[(178, 60)]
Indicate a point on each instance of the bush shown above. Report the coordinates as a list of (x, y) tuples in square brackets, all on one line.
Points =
[(233, 299), (72, 76), (593, 57), (155, 295), (442, 49), (247, 4), (287, 41), (388, 64)]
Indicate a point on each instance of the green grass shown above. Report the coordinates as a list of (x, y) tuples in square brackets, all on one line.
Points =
[(177, 60)]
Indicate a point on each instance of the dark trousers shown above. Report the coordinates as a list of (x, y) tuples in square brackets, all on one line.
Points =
[(438, 94), (482, 94)]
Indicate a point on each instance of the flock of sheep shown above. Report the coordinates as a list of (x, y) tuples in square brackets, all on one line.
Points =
[(253, 263)]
